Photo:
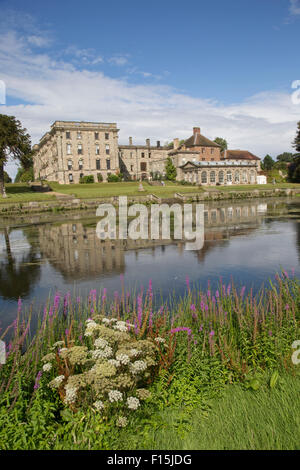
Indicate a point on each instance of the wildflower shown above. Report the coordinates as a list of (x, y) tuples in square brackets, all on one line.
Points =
[(287, 307), (181, 328), (106, 320), (122, 422), (47, 367), (159, 339), (143, 393), (133, 403), (56, 383), (99, 405), (193, 308), (270, 333), (138, 367), (123, 359), (107, 352), (134, 352), (100, 343), (49, 357), (243, 291), (115, 395), (71, 394), (114, 362), (120, 325), (217, 294), (212, 333), (37, 380), (58, 344)]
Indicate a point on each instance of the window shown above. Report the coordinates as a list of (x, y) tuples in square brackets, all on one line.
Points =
[(108, 164), (143, 155), (68, 135), (81, 175), (143, 166), (131, 167), (236, 177), (79, 149), (221, 177), (131, 154), (98, 164), (78, 134), (71, 178), (203, 150), (212, 159), (80, 164), (229, 176), (69, 149), (245, 179), (212, 150), (106, 135), (107, 149), (203, 177), (97, 149), (96, 135), (203, 159), (212, 177), (70, 164)]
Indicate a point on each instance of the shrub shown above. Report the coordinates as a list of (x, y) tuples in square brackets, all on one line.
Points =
[(99, 177), (87, 179), (112, 178)]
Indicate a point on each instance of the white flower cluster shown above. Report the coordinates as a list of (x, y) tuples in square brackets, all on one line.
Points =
[(90, 327), (105, 353), (71, 394), (58, 344), (55, 383), (121, 326), (47, 367), (100, 343), (159, 339), (133, 403), (99, 405), (134, 352), (114, 362), (138, 366), (123, 359), (122, 422), (106, 320), (115, 395)]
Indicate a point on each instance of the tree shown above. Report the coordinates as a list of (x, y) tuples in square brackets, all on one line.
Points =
[(296, 142), (14, 142), (285, 157), (7, 178), (222, 142), (171, 171), (268, 163), (23, 175)]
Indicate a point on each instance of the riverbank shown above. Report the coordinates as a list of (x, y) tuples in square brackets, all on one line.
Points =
[(21, 200), (130, 374)]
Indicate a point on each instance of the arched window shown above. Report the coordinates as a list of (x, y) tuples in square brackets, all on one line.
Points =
[(252, 177), (212, 177), (221, 176), (237, 177), (204, 177), (229, 176), (245, 179)]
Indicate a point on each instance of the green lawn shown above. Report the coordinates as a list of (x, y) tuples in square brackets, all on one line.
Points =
[(241, 419), (20, 192)]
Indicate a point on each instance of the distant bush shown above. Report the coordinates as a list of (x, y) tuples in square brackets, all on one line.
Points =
[(87, 179), (111, 178), (99, 177)]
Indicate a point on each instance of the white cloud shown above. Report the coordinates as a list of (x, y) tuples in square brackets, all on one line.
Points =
[(118, 60), (294, 7), (60, 90)]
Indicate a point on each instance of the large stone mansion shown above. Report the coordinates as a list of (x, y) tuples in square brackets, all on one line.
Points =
[(71, 150)]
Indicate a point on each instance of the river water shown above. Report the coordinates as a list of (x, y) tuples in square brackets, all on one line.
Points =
[(247, 241)]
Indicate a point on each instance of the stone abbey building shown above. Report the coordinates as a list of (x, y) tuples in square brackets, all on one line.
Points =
[(71, 150)]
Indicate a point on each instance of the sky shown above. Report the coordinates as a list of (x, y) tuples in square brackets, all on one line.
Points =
[(155, 68)]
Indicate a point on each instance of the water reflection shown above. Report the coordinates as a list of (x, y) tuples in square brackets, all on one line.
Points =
[(248, 240)]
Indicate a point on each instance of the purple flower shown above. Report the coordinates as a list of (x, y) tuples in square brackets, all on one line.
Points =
[(193, 308), (270, 333), (217, 294), (37, 380), (212, 333), (181, 328), (78, 300), (187, 283), (287, 307), (243, 291)]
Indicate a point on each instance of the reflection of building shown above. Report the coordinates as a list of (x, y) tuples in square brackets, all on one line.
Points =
[(71, 150), (76, 251)]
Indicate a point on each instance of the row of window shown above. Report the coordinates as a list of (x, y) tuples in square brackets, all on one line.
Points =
[(80, 149), (212, 177), (79, 135), (80, 164)]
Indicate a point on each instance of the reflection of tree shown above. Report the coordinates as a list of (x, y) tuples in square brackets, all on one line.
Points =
[(17, 277), (298, 237)]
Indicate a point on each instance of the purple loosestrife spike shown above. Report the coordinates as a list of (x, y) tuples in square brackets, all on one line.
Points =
[(228, 289), (243, 291), (37, 380), (78, 300), (182, 328), (270, 333), (212, 333), (193, 308), (217, 294), (287, 307), (19, 305), (187, 283)]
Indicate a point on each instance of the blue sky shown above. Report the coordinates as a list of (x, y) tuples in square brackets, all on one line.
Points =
[(156, 68)]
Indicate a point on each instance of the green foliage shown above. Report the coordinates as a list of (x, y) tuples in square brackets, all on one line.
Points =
[(87, 179), (113, 178), (24, 175), (7, 178), (171, 171), (267, 163), (296, 142), (222, 142), (99, 177), (285, 157)]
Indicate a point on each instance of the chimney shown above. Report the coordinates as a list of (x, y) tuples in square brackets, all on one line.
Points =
[(176, 143), (130, 140), (158, 143), (196, 130), (148, 142)]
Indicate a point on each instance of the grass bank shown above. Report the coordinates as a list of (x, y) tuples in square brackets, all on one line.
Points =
[(212, 369)]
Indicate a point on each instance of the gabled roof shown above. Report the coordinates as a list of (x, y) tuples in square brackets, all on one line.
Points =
[(198, 140), (239, 155)]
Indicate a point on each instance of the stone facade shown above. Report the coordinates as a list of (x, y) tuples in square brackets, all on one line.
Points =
[(71, 150)]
